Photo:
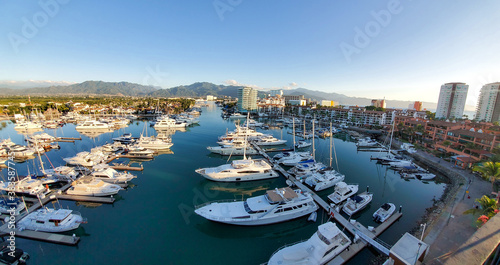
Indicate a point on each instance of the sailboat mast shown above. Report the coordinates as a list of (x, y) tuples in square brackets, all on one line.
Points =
[(314, 150), (293, 132), (331, 140)]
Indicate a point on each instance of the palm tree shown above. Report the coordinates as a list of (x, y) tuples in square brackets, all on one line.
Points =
[(489, 171), (487, 208)]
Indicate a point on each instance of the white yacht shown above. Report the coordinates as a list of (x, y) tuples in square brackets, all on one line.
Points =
[(240, 170), (51, 220), (86, 159), (109, 175), (92, 125), (302, 144), (292, 158), (25, 186), (384, 212), (126, 138), (401, 163), (357, 203), (328, 242), (306, 168), (92, 186), (11, 204), (408, 148), (233, 150), (324, 179), (140, 151), (167, 122), (275, 206), (267, 140), (253, 123), (342, 192), (27, 126), (367, 142), (153, 143), (237, 116)]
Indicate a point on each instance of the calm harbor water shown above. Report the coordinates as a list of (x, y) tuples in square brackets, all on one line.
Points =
[(153, 221)]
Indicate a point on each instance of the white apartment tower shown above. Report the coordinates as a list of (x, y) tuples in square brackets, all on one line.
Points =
[(451, 101), (488, 105), (247, 99)]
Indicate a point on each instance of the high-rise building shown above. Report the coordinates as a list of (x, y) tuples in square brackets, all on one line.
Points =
[(417, 105), (379, 103), (488, 105), (451, 101), (247, 99)]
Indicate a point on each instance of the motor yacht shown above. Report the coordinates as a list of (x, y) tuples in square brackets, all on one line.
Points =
[(240, 170), (126, 138), (275, 206), (110, 175), (342, 192), (302, 144), (328, 242), (92, 125), (51, 220), (357, 203), (92, 186), (292, 158), (25, 186), (306, 168), (324, 179), (166, 122), (267, 140), (153, 143)]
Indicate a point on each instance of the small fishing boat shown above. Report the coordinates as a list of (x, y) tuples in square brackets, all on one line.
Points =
[(384, 212), (357, 203)]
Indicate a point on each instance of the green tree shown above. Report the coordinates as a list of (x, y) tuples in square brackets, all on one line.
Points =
[(486, 209), (489, 171)]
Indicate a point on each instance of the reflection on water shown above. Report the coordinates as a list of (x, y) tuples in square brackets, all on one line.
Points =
[(94, 133), (247, 188)]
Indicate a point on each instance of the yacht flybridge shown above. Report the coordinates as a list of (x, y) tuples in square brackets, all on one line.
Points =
[(240, 170), (323, 246), (275, 206), (342, 192)]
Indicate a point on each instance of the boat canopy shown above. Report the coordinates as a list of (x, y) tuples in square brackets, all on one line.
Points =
[(358, 199)]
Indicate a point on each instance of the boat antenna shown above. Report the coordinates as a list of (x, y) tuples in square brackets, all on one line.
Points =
[(26, 207), (314, 150), (333, 144)]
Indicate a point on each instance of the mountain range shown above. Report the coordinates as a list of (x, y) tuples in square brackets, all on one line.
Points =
[(199, 89)]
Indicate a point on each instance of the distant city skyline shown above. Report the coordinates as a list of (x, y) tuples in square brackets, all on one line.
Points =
[(397, 50)]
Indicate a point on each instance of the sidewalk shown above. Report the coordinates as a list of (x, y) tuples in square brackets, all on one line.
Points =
[(452, 228)]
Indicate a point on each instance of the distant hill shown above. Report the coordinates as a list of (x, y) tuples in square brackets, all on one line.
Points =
[(199, 89), (86, 88)]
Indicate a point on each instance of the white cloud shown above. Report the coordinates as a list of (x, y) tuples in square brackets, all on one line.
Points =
[(233, 82)]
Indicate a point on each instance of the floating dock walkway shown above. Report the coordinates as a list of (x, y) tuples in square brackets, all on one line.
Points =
[(354, 228)]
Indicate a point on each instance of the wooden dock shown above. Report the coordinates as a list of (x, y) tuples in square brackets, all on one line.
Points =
[(353, 228), (48, 237), (126, 167)]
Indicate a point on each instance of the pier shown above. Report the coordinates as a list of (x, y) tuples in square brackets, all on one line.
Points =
[(355, 228)]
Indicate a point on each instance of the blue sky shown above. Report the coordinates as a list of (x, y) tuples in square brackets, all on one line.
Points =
[(267, 44)]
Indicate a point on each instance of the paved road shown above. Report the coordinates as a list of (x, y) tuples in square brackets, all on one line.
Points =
[(453, 228)]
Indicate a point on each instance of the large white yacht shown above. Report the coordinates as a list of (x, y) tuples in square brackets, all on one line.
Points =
[(28, 126), (322, 247), (92, 186), (51, 220), (240, 170), (167, 122), (275, 206), (153, 143), (267, 140), (342, 192), (324, 179), (92, 125), (25, 186), (109, 175), (233, 150), (357, 203)]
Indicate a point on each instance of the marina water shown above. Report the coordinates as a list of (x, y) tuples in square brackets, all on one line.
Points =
[(152, 222)]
